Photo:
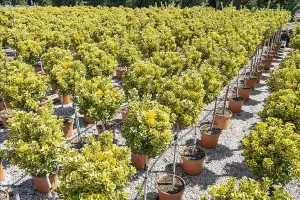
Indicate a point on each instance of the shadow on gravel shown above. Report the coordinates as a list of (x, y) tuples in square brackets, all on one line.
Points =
[(64, 111), (220, 153), (237, 170), (3, 135), (138, 174), (178, 168), (256, 92), (152, 196), (264, 77), (260, 85), (244, 116), (206, 178), (251, 102), (190, 142)]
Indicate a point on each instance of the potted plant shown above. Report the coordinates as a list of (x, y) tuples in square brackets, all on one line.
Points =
[(247, 189), (5, 115), (236, 102), (126, 56), (222, 115), (66, 76), (192, 160), (250, 80), (170, 187), (147, 130), (30, 51), (54, 56), (283, 105), (97, 61), (272, 151), (244, 91), (67, 126), (209, 135), (101, 170), (35, 144), (99, 100)]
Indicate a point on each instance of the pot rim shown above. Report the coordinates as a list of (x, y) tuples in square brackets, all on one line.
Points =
[(206, 130), (189, 147), (226, 116), (178, 177), (5, 192), (249, 87)]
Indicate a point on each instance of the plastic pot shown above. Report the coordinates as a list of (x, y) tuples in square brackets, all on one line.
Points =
[(66, 99), (258, 74), (88, 120), (245, 91), (260, 67), (222, 121), (267, 63), (235, 104), (209, 138), (251, 82), (42, 186), (166, 181), (193, 164), (120, 71), (1, 171), (68, 130), (139, 161), (44, 104), (2, 107)]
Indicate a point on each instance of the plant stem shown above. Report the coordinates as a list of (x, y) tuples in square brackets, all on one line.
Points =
[(214, 113), (194, 145), (237, 86), (225, 100), (146, 178), (175, 147)]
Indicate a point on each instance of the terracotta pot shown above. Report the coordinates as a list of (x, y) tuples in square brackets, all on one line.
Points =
[(54, 90), (272, 54), (166, 196), (4, 118), (4, 193), (267, 63), (222, 121), (67, 99), (1, 171), (42, 186), (235, 104), (208, 140), (139, 161), (68, 130), (251, 82), (120, 71), (258, 75), (124, 116), (37, 69), (192, 167), (244, 92), (260, 67), (2, 107), (44, 104), (88, 121)]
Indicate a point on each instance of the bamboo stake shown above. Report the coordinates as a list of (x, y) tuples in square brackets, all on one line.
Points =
[(225, 100), (146, 178), (214, 113), (194, 145), (175, 148)]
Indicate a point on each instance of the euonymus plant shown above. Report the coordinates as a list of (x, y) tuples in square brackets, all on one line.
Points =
[(101, 170), (272, 150), (35, 142), (99, 99), (247, 189), (147, 129)]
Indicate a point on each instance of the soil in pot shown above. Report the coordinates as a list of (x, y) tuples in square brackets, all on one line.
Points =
[(235, 104), (4, 195), (109, 126), (167, 190), (210, 138), (251, 81), (42, 186), (193, 161), (222, 120), (120, 72), (245, 91), (139, 161), (4, 117), (1, 171), (87, 120), (68, 126)]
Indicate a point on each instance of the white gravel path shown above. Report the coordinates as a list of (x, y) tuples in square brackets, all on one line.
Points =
[(224, 161)]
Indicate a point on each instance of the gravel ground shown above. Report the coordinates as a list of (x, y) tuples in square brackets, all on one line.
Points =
[(224, 161)]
